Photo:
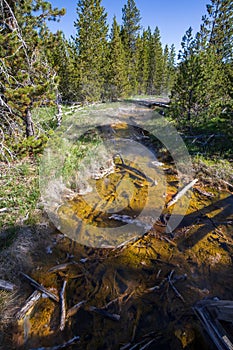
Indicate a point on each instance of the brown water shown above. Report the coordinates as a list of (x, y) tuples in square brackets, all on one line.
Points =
[(133, 280)]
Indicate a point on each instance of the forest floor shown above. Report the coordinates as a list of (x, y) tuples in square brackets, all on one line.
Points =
[(134, 296)]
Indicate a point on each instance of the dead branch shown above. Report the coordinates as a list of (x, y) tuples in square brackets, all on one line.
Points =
[(227, 183), (147, 344), (63, 306), (74, 309), (60, 267), (173, 287), (104, 313), (203, 193), (7, 285), (181, 193), (30, 302), (62, 346), (40, 287)]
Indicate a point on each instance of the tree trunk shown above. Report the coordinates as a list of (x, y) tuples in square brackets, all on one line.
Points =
[(29, 123), (59, 110)]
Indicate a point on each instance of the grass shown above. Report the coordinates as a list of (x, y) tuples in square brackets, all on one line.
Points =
[(19, 191)]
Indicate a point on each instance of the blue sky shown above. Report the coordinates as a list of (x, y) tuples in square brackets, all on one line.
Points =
[(173, 17)]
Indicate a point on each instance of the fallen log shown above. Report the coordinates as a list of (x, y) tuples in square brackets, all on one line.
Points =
[(181, 193)]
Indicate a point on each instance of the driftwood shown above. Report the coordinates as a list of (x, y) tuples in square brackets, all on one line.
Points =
[(30, 302), (181, 193), (104, 313), (40, 287), (74, 309), (63, 306), (62, 346), (7, 285)]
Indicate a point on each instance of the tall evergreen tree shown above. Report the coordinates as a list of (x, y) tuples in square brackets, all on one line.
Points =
[(155, 80), (143, 63), (203, 90), (171, 67), (159, 62), (27, 79), (62, 56), (117, 83), (129, 33), (219, 28), (165, 74), (91, 45), (189, 77)]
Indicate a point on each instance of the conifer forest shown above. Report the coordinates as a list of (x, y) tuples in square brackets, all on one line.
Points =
[(116, 180)]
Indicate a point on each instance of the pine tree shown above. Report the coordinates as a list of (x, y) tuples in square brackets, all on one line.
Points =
[(171, 67), (219, 28), (91, 46), (158, 72), (27, 80), (143, 62), (129, 33), (165, 76), (185, 94), (117, 84), (62, 56), (155, 80)]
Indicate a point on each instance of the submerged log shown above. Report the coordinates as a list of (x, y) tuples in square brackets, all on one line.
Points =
[(135, 173)]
